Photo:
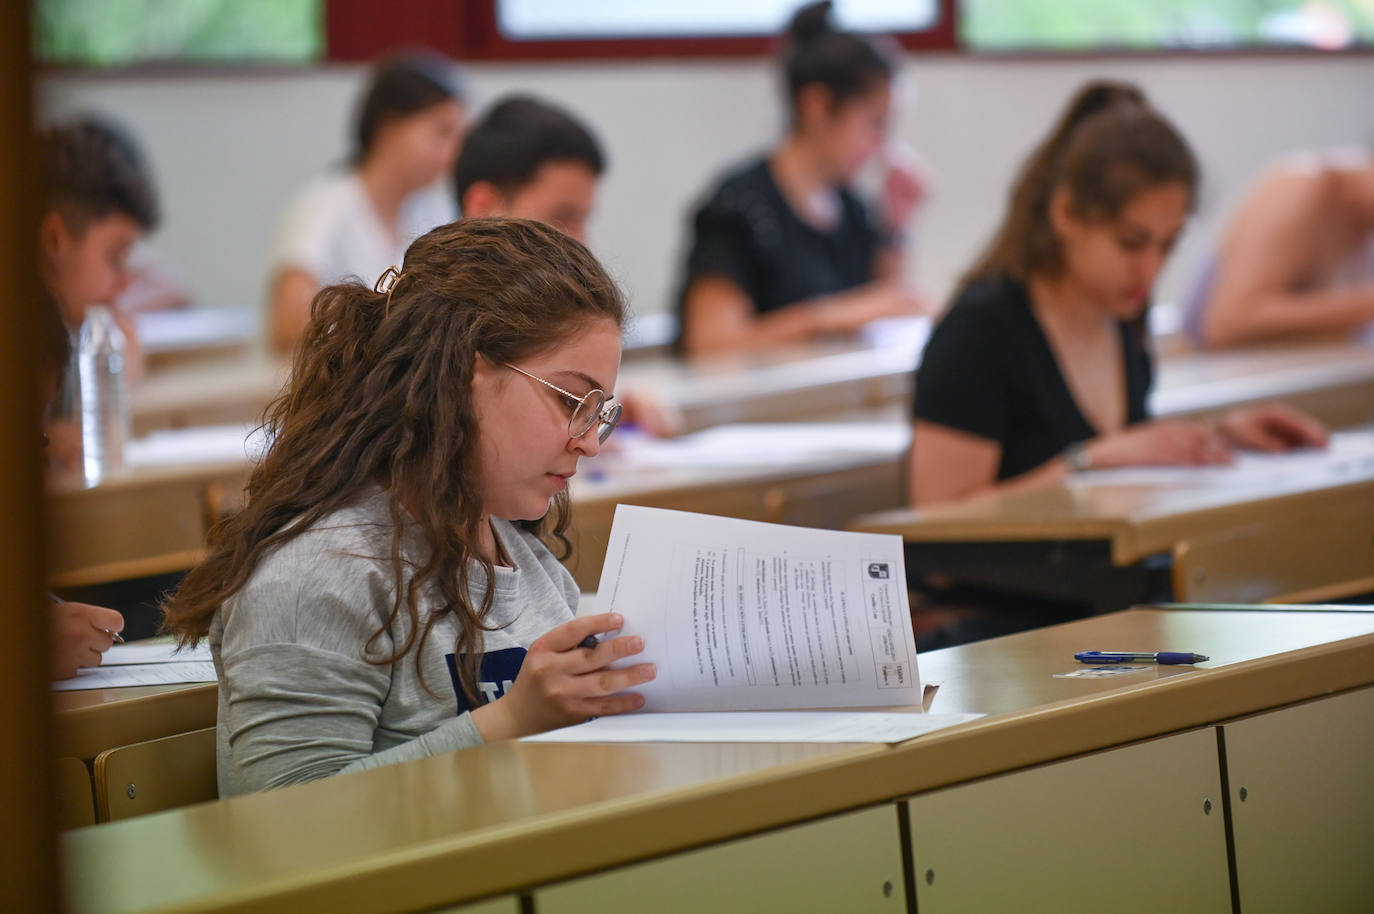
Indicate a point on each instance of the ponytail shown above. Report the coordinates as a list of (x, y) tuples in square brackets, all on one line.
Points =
[(847, 64), (1107, 146)]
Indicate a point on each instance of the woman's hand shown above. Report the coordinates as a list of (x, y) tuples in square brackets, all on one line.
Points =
[(905, 187), (1163, 442), (562, 683), (81, 635), (1272, 427), (656, 417), (847, 312)]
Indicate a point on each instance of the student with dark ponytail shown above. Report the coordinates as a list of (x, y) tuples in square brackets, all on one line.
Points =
[(389, 592), (1041, 366), (357, 220), (782, 250)]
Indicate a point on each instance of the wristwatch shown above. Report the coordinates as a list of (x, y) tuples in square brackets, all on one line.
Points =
[(1077, 457)]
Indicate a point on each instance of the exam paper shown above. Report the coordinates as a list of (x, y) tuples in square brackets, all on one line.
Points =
[(160, 650), (755, 727), (138, 674), (205, 444), (763, 444), (1348, 452), (740, 615)]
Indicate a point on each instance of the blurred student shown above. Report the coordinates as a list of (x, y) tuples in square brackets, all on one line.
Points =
[(98, 201), (1041, 367), (358, 220), (528, 159), (1297, 258), (782, 250), (81, 633)]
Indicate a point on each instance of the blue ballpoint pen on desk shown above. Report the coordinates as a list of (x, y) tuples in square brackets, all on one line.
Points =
[(1163, 657)]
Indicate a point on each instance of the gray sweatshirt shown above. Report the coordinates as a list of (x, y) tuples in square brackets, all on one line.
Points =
[(297, 699)]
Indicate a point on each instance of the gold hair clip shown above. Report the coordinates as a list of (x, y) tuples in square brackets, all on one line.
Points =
[(386, 283)]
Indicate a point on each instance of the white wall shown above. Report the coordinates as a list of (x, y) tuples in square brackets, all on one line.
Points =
[(229, 149)]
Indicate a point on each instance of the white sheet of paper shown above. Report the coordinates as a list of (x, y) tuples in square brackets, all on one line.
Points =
[(767, 444), (1348, 451), (194, 328), (137, 674), (746, 616), (756, 727), (158, 651), (204, 444)]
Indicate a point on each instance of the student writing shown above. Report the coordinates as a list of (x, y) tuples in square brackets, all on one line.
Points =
[(782, 250), (1042, 365)]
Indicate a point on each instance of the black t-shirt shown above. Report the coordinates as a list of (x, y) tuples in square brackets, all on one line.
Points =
[(989, 370), (747, 232)]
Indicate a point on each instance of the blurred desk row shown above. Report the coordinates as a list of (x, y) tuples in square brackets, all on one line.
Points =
[(832, 449), (829, 380)]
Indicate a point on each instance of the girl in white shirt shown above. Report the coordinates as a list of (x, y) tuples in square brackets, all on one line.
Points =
[(358, 221)]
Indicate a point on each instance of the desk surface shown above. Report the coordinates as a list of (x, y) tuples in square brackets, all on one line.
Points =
[(499, 817), (1334, 378), (1137, 519)]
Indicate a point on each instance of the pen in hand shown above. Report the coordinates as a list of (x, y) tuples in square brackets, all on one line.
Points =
[(1160, 657), (119, 639)]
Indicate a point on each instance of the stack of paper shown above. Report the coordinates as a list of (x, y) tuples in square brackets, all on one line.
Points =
[(155, 662), (754, 627)]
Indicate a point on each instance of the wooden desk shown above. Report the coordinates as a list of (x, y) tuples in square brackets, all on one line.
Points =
[(1334, 380), (154, 521), (210, 391), (511, 816), (144, 523), (810, 483), (1073, 538), (187, 335), (89, 722)]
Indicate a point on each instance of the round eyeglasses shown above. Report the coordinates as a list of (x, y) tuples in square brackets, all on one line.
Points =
[(587, 410)]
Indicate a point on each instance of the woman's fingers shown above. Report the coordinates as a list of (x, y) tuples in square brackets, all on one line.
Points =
[(572, 633), (607, 681), (612, 704)]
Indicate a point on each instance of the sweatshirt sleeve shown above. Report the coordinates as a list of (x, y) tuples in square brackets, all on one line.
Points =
[(302, 701)]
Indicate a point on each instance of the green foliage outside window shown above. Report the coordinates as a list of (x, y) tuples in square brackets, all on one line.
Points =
[(1075, 25), (113, 33)]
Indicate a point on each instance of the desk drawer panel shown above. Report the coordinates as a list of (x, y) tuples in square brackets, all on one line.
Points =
[(1122, 830), (850, 863), (1304, 831)]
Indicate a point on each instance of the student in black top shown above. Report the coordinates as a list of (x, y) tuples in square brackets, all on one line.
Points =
[(1041, 366), (782, 251)]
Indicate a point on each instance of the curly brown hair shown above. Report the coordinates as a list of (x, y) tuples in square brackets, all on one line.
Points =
[(379, 397)]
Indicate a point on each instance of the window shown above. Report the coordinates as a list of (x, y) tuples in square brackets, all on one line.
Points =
[(1085, 25), (524, 20), (117, 33)]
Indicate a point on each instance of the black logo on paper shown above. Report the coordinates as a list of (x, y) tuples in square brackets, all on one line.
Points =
[(881, 571)]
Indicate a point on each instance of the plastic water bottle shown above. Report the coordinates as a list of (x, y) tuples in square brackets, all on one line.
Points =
[(104, 403)]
